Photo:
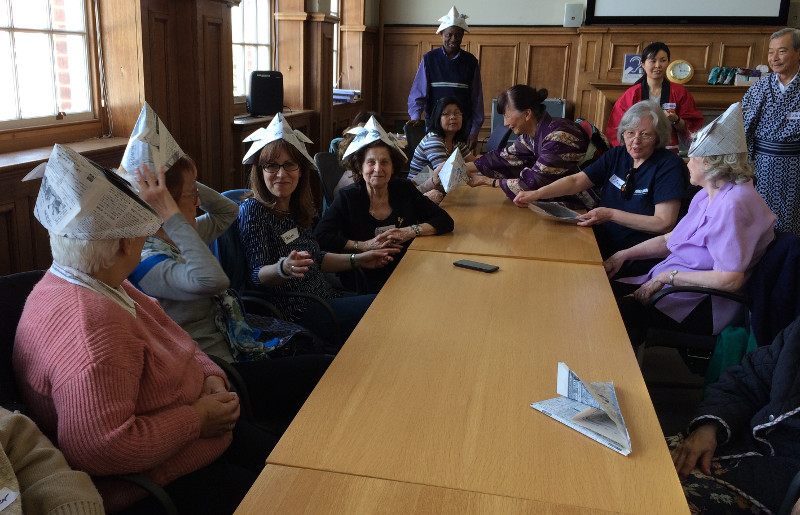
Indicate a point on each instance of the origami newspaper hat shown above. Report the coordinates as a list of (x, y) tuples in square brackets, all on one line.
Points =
[(454, 172), (369, 133), (453, 19), (278, 128), (725, 135), (80, 199), (151, 144)]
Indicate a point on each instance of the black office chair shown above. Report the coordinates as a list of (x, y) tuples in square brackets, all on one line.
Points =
[(16, 288), (330, 173), (414, 134), (498, 139), (771, 299)]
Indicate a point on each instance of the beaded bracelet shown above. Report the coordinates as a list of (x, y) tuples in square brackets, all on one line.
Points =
[(417, 230), (281, 273)]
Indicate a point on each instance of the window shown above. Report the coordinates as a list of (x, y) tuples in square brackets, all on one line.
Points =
[(252, 48), (45, 73), (336, 73)]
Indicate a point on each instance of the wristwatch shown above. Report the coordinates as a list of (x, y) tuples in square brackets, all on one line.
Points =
[(672, 277)]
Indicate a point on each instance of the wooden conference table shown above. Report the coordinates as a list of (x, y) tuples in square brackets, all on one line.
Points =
[(428, 402), (488, 223)]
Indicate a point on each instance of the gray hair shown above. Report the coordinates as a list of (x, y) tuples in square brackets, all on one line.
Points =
[(88, 256), (632, 117), (788, 30), (732, 168)]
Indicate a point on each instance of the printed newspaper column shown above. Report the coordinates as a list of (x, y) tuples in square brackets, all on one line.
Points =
[(150, 144), (591, 409), (80, 199)]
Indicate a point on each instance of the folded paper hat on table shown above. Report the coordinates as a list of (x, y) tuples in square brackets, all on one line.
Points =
[(277, 129), (80, 199), (454, 172)]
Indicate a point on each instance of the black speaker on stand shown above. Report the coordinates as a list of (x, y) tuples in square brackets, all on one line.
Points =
[(266, 93)]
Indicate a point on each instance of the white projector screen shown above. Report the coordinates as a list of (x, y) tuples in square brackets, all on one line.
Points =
[(717, 12)]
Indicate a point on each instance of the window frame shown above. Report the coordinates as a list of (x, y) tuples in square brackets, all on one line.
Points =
[(46, 131), (240, 102)]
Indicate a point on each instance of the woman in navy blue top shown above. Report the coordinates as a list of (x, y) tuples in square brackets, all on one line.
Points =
[(642, 183)]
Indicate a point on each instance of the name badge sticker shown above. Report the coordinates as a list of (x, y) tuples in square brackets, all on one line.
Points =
[(7, 497), (794, 115), (616, 181), (381, 230), (669, 105), (290, 235)]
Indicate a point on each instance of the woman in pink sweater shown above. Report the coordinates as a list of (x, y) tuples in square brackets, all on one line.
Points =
[(120, 386)]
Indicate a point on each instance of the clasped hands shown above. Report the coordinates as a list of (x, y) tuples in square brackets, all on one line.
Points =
[(217, 408), (391, 239)]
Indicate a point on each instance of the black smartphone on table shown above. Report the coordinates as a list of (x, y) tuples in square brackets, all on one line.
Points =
[(475, 265)]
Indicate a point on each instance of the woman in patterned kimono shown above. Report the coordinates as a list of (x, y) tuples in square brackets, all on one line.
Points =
[(547, 148), (772, 125)]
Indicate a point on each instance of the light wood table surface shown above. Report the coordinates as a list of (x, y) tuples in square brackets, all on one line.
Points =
[(288, 490), (434, 388), (487, 223)]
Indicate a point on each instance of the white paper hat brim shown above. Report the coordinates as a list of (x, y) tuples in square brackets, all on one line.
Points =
[(150, 144), (724, 135), (78, 199), (277, 129), (453, 19), (370, 133)]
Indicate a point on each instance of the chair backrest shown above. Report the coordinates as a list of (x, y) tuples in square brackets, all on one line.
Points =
[(330, 172), (15, 288), (228, 248), (498, 139), (774, 288), (414, 134)]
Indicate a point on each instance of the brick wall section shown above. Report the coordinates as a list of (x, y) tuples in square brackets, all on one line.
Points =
[(61, 58)]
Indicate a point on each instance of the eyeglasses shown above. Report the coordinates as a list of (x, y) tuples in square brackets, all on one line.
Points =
[(630, 184), (194, 195), (288, 166), (632, 135), (456, 114)]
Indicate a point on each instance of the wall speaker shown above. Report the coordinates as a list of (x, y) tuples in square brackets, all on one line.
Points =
[(573, 15), (266, 93)]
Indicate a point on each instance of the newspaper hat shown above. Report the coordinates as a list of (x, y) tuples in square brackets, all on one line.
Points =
[(725, 135), (151, 144), (454, 172), (278, 128), (369, 133), (453, 19), (80, 199)]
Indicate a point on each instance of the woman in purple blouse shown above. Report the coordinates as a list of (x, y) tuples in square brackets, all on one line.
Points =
[(716, 245), (546, 150)]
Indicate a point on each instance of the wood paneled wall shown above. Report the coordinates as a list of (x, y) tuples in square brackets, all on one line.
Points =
[(582, 65)]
